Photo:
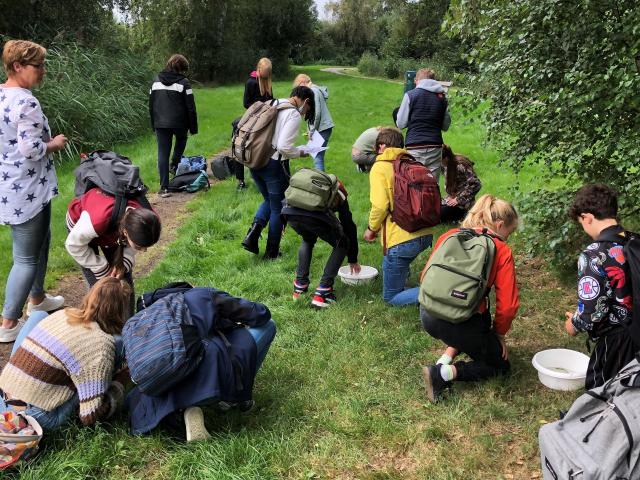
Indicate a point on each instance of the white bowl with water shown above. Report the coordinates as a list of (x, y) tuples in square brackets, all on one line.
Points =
[(367, 274), (561, 368)]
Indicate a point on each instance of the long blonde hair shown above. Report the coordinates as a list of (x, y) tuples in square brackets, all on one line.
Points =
[(107, 304), (488, 211), (263, 71), (302, 79)]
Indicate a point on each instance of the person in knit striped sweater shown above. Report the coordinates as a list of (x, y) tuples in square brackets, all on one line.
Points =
[(65, 362)]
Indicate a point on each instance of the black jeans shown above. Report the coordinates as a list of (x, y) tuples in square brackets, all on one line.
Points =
[(310, 231), (473, 337), (451, 214), (610, 354), (91, 279), (164, 137)]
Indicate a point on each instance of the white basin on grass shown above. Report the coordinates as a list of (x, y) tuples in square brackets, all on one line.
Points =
[(561, 369), (367, 274)]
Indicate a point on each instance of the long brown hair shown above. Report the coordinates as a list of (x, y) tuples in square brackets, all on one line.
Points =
[(450, 162), (107, 304), (143, 228)]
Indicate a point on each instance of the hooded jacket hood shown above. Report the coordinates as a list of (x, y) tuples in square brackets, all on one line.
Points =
[(169, 78), (390, 154), (323, 90), (431, 85)]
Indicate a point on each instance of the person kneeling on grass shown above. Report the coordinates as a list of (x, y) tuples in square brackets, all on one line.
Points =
[(340, 234), (461, 185), (70, 361), (605, 302), (476, 337)]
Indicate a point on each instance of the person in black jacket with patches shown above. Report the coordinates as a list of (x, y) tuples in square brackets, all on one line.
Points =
[(173, 114), (340, 234)]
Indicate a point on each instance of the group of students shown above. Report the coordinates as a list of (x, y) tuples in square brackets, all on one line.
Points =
[(73, 359)]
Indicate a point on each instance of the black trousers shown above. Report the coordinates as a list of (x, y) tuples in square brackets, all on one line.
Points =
[(310, 231), (610, 353), (164, 137), (451, 214), (473, 337)]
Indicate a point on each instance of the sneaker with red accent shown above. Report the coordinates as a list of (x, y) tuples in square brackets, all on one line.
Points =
[(299, 289), (323, 297)]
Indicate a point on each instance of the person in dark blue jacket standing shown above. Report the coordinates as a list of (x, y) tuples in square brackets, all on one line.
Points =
[(173, 113)]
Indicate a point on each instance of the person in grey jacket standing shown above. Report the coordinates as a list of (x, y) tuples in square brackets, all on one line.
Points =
[(173, 114), (323, 123), (424, 113)]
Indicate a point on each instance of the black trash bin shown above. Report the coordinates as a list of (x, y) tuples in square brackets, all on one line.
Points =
[(409, 80)]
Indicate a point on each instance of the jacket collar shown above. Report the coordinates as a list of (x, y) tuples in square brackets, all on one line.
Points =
[(390, 154)]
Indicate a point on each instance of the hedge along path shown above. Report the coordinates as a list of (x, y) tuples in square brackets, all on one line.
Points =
[(171, 210)]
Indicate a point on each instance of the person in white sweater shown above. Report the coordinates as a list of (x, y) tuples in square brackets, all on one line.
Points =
[(273, 179)]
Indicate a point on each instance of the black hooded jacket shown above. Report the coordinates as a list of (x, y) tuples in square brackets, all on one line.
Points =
[(171, 103)]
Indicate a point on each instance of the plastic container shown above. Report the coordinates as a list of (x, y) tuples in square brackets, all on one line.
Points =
[(367, 275), (561, 369)]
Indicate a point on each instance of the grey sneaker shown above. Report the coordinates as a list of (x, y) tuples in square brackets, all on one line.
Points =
[(194, 425), (164, 193)]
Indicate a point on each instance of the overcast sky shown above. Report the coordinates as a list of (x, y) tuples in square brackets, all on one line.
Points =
[(320, 4)]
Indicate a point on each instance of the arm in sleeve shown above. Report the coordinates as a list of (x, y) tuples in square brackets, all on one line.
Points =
[(446, 121), (379, 195), (129, 258), (93, 382), (592, 305), (77, 244), (350, 231), (287, 134), (31, 143), (151, 95), (403, 114), (507, 296), (471, 185), (191, 108), (249, 94), (318, 99)]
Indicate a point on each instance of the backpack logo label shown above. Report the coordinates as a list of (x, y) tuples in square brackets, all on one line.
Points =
[(459, 294), (588, 288), (547, 464)]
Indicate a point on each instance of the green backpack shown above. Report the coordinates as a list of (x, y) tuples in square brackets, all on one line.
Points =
[(311, 189), (455, 279)]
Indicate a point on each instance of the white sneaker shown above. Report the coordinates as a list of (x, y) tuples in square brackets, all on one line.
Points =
[(49, 304), (194, 424), (8, 335)]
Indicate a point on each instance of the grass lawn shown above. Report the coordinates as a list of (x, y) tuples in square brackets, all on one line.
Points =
[(340, 394)]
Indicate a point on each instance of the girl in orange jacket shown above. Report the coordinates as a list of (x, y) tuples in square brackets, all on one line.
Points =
[(477, 337)]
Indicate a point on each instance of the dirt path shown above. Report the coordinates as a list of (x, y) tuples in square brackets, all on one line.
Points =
[(171, 211), (347, 71)]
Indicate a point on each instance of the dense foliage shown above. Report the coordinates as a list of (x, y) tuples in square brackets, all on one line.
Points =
[(564, 84)]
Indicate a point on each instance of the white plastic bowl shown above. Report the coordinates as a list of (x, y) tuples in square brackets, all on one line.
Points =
[(561, 369), (367, 275)]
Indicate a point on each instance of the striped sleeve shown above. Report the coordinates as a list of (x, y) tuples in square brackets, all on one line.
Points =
[(92, 382), (77, 244)]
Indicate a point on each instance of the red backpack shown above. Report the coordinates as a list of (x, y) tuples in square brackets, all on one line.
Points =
[(416, 196)]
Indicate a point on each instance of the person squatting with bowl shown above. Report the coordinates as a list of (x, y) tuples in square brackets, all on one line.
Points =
[(605, 303)]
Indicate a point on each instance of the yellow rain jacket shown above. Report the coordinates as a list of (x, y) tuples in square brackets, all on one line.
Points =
[(381, 197)]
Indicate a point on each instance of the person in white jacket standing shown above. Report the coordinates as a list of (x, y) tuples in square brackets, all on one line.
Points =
[(273, 179)]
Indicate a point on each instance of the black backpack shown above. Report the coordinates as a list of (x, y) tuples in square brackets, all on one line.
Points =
[(631, 249), (113, 174)]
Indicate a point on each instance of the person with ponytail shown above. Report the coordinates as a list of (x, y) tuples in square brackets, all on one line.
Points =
[(90, 230), (482, 340), (70, 361), (461, 185)]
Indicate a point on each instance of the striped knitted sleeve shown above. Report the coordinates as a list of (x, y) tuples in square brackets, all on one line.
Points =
[(92, 380)]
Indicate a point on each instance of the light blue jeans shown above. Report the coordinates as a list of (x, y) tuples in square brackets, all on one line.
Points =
[(318, 160), (30, 256), (395, 271), (54, 419), (263, 336)]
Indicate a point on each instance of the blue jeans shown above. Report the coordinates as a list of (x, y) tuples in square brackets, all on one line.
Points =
[(395, 271), (52, 420), (272, 181), (263, 337), (318, 160), (30, 256)]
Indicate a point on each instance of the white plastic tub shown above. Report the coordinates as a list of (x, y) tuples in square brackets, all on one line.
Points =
[(561, 369), (367, 274)]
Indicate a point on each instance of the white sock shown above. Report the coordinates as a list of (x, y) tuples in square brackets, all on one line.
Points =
[(444, 360), (446, 372)]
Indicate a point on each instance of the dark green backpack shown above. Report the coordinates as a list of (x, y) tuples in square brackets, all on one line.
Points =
[(311, 189), (455, 279)]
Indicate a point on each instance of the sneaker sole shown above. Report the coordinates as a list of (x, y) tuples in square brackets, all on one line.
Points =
[(194, 425), (428, 385), (317, 304)]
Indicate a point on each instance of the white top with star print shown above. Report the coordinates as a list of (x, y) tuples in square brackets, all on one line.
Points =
[(27, 175)]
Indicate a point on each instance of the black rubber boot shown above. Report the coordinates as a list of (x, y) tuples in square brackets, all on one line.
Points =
[(250, 242), (272, 250)]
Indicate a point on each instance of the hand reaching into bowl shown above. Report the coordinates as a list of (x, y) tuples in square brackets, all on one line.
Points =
[(354, 268)]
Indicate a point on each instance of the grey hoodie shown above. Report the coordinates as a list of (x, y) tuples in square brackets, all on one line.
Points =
[(431, 86), (323, 120)]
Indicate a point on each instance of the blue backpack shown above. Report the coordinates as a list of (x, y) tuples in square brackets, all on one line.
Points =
[(162, 344), (191, 164)]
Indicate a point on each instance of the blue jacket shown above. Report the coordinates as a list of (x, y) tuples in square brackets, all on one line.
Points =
[(215, 377)]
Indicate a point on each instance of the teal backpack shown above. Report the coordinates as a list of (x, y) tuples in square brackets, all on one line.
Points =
[(455, 278), (312, 190)]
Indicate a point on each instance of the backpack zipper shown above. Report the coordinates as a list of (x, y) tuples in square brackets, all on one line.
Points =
[(453, 270)]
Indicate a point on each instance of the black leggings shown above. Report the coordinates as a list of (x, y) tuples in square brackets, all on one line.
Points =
[(451, 214), (473, 337), (164, 137)]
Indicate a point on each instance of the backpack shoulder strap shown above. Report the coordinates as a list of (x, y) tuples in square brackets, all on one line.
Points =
[(119, 207)]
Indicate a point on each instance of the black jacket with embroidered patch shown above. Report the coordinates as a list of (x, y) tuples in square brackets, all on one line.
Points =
[(604, 288)]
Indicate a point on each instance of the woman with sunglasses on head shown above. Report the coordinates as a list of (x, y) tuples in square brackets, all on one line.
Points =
[(28, 182)]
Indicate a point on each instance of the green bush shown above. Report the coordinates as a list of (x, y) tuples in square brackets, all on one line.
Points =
[(95, 97), (370, 65)]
